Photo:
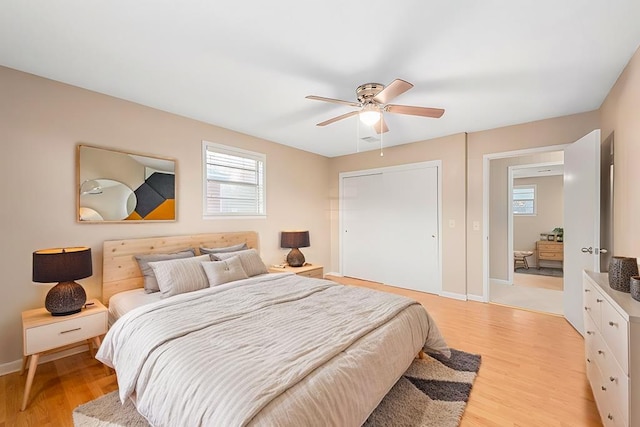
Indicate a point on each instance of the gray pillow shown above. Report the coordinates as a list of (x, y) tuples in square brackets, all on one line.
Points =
[(250, 259), (234, 248), (229, 270), (150, 282), (178, 276)]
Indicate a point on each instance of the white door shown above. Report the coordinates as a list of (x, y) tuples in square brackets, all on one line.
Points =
[(362, 250), (581, 221), (411, 226), (390, 227)]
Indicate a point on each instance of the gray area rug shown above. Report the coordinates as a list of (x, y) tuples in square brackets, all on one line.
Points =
[(544, 271), (433, 392)]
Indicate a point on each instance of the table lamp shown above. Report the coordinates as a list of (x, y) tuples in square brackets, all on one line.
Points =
[(63, 265), (294, 240)]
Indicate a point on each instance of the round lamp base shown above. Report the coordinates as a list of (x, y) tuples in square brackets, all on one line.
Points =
[(295, 258), (65, 298)]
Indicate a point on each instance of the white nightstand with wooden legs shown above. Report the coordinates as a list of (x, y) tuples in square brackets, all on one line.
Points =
[(44, 333)]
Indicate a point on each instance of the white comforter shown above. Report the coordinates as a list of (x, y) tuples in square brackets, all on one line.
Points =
[(273, 350)]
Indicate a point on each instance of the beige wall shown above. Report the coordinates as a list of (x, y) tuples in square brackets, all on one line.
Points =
[(620, 112), (41, 123), (451, 151), (499, 257), (550, 212), (555, 131)]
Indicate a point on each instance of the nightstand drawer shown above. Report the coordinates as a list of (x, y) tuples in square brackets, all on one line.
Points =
[(58, 334)]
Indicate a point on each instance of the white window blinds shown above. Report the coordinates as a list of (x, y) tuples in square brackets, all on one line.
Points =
[(524, 200), (234, 181)]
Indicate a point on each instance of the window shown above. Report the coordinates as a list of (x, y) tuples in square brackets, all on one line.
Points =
[(524, 200), (234, 181)]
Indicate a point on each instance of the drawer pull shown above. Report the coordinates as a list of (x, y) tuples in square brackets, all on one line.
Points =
[(600, 352), (603, 388), (586, 308), (612, 379), (612, 323), (587, 290), (599, 300), (70, 330), (590, 332), (588, 360), (610, 416)]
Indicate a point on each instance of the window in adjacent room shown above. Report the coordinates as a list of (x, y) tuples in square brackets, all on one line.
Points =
[(234, 181), (524, 199)]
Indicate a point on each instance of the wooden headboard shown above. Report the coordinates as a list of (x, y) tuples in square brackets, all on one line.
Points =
[(120, 270)]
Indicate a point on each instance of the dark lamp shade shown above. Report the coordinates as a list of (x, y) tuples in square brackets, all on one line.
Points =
[(61, 264), (294, 239)]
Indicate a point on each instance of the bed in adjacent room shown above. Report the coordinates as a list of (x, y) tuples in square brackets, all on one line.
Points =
[(223, 342)]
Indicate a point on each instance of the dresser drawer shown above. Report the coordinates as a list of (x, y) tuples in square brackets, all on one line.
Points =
[(616, 383), (554, 256), (550, 247), (593, 301), (591, 333), (53, 335), (615, 331)]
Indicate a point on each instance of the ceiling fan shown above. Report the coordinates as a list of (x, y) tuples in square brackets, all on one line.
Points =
[(373, 101)]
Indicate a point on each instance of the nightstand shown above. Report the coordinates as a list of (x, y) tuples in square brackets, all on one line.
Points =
[(309, 270), (44, 333)]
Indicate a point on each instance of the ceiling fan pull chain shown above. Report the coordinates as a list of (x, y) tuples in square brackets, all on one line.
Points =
[(357, 136), (381, 136)]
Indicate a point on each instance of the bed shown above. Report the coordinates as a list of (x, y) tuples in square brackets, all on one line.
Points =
[(263, 350)]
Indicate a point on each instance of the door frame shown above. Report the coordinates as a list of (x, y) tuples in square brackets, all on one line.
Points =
[(510, 179), (430, 163), (486, 184)]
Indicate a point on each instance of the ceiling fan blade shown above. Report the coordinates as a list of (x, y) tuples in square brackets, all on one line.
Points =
[(381, 126), (415, 111), (335, 119), (395, 88), (335, 101)]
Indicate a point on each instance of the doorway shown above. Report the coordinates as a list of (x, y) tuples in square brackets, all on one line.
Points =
[(525, 203)]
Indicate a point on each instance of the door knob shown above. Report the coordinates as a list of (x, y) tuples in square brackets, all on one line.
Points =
[(603, 251), (587, 250)]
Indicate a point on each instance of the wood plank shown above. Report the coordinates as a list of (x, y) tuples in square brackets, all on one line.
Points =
[(120, 270)]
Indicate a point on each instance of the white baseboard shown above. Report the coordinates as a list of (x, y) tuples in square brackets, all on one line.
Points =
[(476, 298), (331, 273), (499, 282), (453, 295), (16, 365)]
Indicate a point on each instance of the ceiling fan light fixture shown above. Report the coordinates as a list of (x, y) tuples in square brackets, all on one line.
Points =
[(369, 115)]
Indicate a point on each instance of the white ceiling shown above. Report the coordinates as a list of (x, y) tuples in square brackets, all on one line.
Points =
[(248, 65)]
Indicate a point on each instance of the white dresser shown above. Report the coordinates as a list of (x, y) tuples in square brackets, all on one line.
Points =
[(612, 350)]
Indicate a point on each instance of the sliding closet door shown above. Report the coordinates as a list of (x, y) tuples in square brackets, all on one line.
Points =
[(390, 227), (411, 229), (362, 205)]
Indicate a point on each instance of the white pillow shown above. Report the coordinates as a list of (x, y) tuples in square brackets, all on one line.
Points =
[(250, 259), (229, 270), (150, 282), (178, 276)]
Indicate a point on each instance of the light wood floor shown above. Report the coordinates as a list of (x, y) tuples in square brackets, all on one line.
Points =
[(532, 372)]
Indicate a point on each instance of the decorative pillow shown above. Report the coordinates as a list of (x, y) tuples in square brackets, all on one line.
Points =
[(150, 282), (178, 276), (234, 248), (250, 259), (229, 270)]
